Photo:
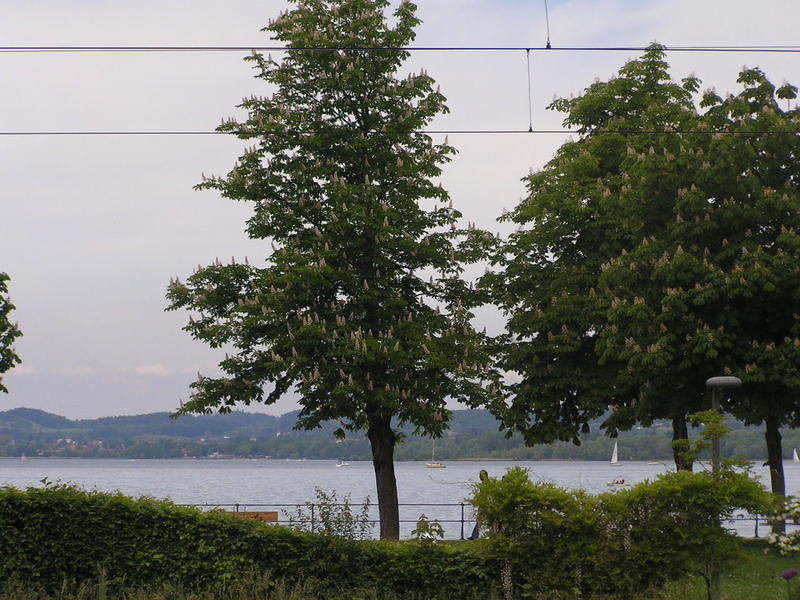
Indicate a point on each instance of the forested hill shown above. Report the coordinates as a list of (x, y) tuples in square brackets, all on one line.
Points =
[(473, 434)]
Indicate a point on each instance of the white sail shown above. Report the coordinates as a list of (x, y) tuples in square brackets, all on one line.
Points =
[(795, 458), (433, 464), (615, 454)]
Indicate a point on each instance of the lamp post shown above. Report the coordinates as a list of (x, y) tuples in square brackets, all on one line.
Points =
[(717, 385)]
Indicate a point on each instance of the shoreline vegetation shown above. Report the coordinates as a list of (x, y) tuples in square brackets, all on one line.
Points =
[(474, 436)]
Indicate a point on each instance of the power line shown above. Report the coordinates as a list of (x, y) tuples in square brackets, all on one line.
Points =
[(201, 132), (781, 49), (547, 20), (419, 132), (530, 95)]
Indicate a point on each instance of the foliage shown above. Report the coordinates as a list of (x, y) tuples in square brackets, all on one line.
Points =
[(713, 428), (328, 516), (650, 251), (62, 534), (783, 542), (8, 332), (246, 588), (756, 576), (619, 543), (690, 300), (427, 531), (343, 186), (607, 544), (583, 210)]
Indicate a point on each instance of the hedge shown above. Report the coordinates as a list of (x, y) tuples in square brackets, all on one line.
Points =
[(542, 541), (617, 544), (61, 533)]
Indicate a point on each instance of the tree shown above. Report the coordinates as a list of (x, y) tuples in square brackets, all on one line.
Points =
[(582, 211), (716, 290), (8, 332), (671, 237), (342, 184)]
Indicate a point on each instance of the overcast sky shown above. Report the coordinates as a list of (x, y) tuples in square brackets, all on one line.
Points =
[(92, 228)]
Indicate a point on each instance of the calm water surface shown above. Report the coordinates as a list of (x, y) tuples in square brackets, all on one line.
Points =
[(273, 482)]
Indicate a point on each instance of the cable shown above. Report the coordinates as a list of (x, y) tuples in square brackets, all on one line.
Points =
[(788, 49), (547, 20), (418, 132), (530, 98), (199, 132)]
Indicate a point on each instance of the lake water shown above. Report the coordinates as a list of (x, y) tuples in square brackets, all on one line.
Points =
[(266, 484)]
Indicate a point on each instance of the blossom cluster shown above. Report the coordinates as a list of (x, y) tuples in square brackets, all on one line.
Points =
[(787, 543)]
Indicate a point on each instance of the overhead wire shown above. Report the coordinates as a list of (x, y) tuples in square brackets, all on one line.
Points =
[(530, 96), (527, 50), (547, 21), (251, 133), (786, 49)]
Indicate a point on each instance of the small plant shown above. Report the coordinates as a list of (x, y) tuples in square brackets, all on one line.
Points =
[(427, 531), (330, 516)]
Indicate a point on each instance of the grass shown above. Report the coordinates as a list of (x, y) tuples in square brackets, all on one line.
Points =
[(755, 576)]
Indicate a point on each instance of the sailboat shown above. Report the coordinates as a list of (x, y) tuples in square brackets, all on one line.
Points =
[(615, 455), (619, 481), (795, 458), (433, 464)]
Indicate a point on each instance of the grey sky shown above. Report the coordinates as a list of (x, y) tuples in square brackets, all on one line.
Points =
[(92, 229)]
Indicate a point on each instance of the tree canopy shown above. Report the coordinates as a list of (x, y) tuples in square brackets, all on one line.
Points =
[(651, 248), (578, 216), (360, 309), (715, 290), (8, 332)]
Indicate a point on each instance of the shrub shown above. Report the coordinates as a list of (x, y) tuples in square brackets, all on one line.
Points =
[(329, 516), (546, 541), (61, 533), (616, 544)]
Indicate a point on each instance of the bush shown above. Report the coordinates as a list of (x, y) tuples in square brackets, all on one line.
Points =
[(61, 533), (329, 516), (616, 544), (546, 541)]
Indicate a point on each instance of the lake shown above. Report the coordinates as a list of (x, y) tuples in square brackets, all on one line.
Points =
[(266, 483)]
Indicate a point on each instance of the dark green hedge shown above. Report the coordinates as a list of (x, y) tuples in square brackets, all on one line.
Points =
[(617, 544), (550, 541), (49, 535)]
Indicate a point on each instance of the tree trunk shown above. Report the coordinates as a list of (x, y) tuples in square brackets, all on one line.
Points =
[(775, 462), (680, 432), (382, 440)]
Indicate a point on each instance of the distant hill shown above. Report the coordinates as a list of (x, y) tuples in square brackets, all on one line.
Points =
[(35, 432), (31, 419), (27, 420), (472, 434)]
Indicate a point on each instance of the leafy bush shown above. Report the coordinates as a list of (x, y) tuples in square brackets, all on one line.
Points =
[(787, 543), (427, 532), (60, 533), (328, 516), (544, 542), (615, 544)]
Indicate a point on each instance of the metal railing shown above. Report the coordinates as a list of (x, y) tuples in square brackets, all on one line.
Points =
[(457, 519)]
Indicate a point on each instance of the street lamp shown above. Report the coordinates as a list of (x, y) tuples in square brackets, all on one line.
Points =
[(717, 385)]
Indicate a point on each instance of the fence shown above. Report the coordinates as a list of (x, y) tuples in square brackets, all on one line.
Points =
[(457, 519)]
